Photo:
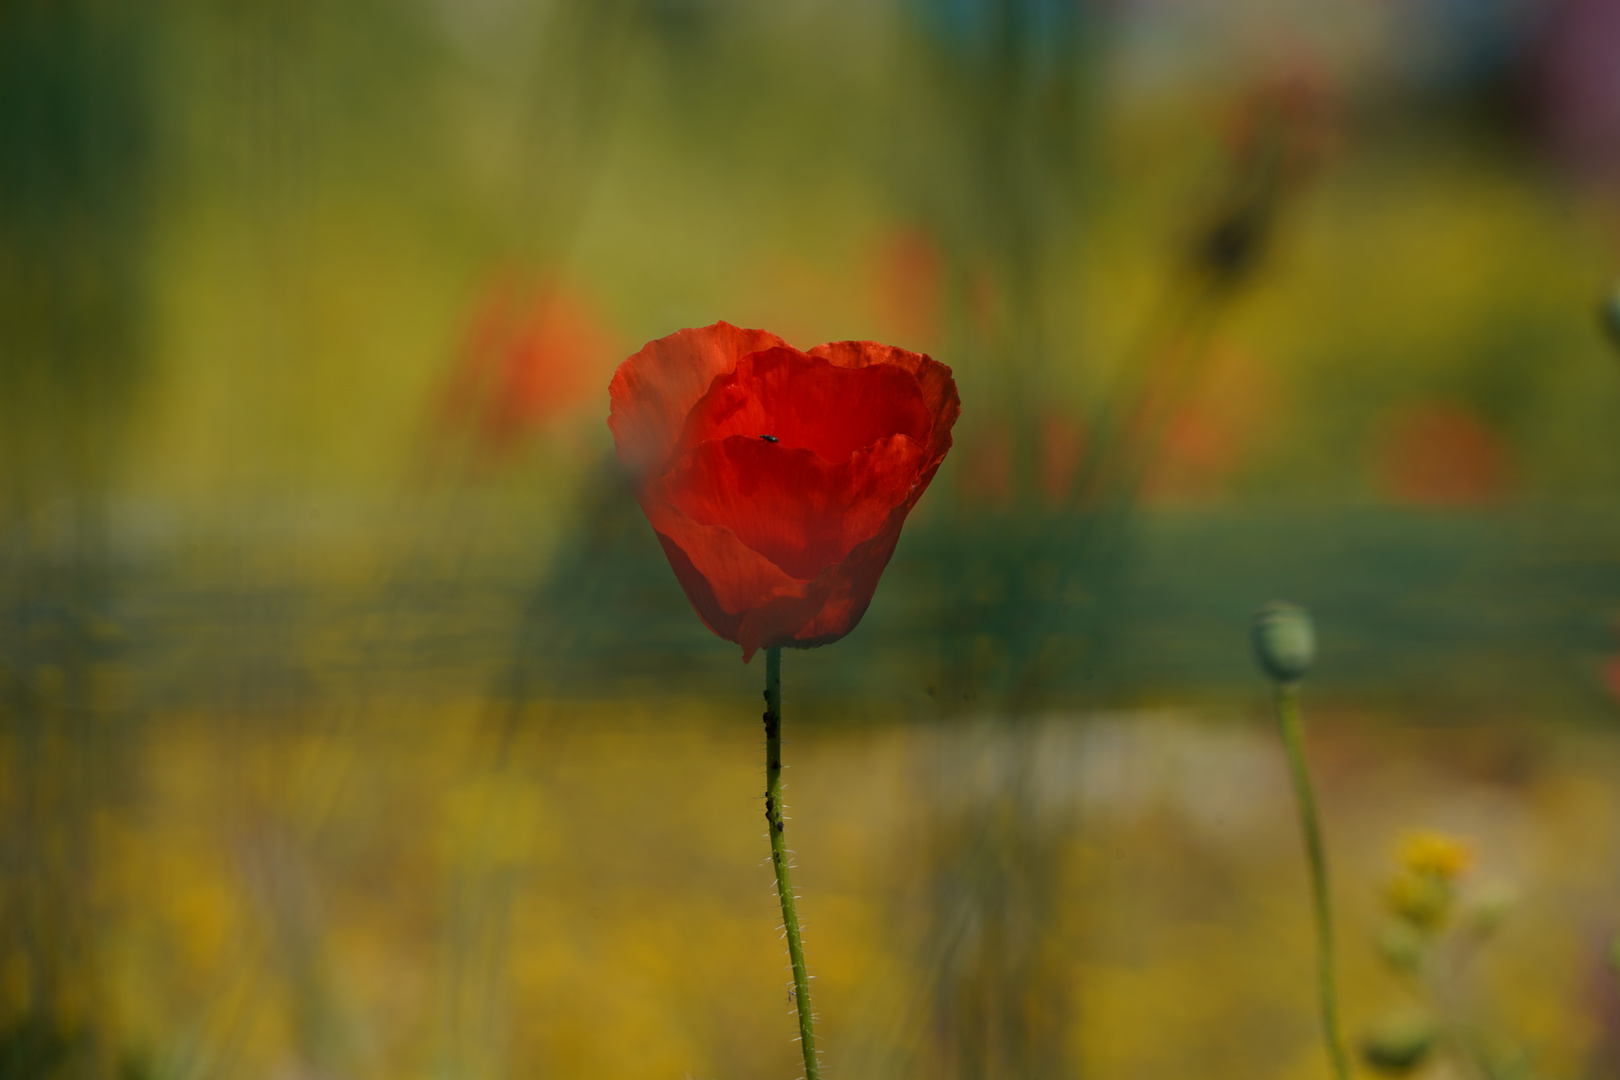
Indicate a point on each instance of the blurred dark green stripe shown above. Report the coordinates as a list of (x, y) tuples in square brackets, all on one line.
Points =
[(1459, 609)]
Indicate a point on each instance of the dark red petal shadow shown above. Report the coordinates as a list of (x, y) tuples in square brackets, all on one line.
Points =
[(934, 378)]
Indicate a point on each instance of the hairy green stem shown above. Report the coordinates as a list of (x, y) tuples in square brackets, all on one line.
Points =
[(1293, 736), (779, 858)]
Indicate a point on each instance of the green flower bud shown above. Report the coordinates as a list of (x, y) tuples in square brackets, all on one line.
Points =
[(1284, 641), (1399, 1042)]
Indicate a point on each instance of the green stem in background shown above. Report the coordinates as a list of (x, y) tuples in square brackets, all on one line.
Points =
[(779, 858), (1293, 736)]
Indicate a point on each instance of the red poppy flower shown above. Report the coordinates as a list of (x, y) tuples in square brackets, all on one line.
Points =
[(529, 357), (777, 480)]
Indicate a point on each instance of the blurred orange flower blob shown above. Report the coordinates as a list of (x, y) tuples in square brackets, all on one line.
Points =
[(1063, 445), (910, 277), (1208, 439), (1441, 454), (1198, 452), (986, 474), (530, 355)]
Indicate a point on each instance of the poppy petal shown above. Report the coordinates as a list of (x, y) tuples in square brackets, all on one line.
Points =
[(799, 401), (934, 379), (831, 606), (653, 391), (794, 507), (722, 576)]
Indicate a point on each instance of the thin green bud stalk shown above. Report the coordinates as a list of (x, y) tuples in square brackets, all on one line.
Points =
[(779, 858), (1293, 737)]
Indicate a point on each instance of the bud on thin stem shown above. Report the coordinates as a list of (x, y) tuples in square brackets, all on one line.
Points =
[(1284, 641), (1285, 646), (1292, 730)]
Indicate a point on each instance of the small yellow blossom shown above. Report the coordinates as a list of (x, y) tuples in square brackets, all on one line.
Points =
[(1423, 891), (1436, 853)]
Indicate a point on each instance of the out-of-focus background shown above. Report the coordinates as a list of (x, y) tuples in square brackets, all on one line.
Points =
[(354, 726)]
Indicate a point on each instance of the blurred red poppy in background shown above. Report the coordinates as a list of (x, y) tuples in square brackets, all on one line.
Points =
[(984, 469), (777, 480), (1440, 453), (531, 354), (909, 284), (986, 477)]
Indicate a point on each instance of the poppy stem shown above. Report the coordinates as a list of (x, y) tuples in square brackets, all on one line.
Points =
[(784, 886), (1293, 737)]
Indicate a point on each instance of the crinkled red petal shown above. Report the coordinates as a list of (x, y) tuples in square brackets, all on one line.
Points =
[(794, 507), (938, 388), (807, 402)]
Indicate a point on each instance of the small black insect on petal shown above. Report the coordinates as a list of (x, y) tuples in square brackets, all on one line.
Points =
[(770, 438)]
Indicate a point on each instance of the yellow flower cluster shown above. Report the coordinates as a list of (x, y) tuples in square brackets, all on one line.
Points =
[(1436, 853), (1424, 889)]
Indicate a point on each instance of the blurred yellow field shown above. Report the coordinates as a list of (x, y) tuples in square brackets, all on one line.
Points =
[(409, 894)]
